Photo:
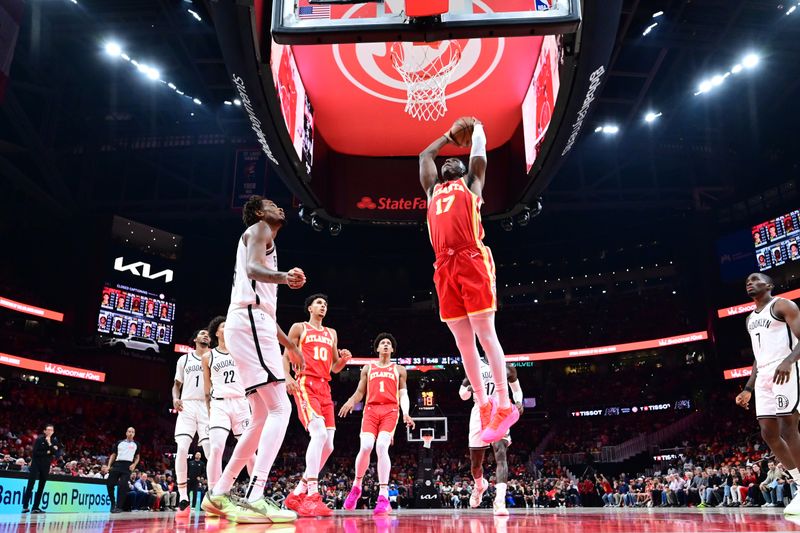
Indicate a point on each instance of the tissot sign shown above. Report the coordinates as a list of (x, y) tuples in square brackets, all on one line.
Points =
[(142, 269)]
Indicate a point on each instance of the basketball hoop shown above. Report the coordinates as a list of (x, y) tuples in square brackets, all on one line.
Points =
[(426, 441), (426, 76)]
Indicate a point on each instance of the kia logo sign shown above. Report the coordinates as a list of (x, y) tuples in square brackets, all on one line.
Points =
[(142, 269), (386, 203)]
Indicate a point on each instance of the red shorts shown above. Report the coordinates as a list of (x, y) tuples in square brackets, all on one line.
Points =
[(380, 418), (465, 282), (314, 400)]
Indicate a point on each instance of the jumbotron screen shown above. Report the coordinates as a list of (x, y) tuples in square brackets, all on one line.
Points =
[(130, 311), (777, 240)]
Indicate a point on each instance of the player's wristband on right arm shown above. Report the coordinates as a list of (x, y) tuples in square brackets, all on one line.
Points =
[(749, 389)]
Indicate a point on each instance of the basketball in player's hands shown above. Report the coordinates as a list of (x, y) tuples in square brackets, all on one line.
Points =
[(461, 131)]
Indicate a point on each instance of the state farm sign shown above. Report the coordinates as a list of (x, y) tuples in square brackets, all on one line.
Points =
[(387, 203)]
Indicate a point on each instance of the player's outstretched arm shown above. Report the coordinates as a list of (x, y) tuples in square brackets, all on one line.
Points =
[(476, 174), (292, 351), (206, 363), (405, 406), (347, 408), (427, 163), (258, 238), (516, 388)]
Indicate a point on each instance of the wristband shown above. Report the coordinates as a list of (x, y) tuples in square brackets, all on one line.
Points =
[(449, 139), (749, 389)]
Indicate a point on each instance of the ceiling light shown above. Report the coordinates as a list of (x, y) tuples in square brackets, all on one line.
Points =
[(610, 129), (113, 49), (657, 14), (648, 29), (227, 102), (196, 101), (737, 68), (750, 60), (236, 101), (651, 116)]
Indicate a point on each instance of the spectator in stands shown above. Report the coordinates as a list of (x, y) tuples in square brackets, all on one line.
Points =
[(764, 485), (146, 493), (196, 469), (169, 497)]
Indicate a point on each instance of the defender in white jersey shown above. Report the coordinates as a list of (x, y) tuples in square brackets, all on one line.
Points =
[(229, 411), (254, 337), (774, 327), (477, 447), (188, 398)]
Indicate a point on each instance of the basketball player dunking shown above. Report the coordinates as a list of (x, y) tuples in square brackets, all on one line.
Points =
[(312, 395), (384, 384), (774, 328), (229, 411), (477, 447), (188, 398), (253, 337), (464, 272)]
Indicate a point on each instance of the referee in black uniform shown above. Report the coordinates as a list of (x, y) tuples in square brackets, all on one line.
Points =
[(121, 463), (44, 449)]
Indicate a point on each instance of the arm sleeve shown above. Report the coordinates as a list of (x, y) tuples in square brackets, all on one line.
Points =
[(464, 393), (478, 142), (516, 390), (404, 403)]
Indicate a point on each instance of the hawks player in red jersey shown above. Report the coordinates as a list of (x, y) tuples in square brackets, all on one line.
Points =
[(384, 383), (312, 395), (464, 272)]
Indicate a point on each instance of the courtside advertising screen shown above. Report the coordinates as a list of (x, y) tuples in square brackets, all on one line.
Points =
[(128, 311), (777, 241)]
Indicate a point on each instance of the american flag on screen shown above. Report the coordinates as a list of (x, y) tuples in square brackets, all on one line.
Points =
[(307, 11)]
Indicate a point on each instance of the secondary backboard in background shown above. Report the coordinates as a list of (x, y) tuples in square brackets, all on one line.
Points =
[(315, 22)]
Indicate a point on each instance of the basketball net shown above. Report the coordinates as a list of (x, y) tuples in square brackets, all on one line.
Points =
[(426, 441), (426, 76)]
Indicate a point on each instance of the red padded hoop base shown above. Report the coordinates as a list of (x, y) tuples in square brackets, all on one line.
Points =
[(426, 8)]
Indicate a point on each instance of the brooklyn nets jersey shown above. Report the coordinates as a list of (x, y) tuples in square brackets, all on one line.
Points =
[(771, 337), (225, 382), (488, 380), (245, 291), (189, 371)]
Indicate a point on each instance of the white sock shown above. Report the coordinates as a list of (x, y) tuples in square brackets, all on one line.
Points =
[(478, 481), (362, 459), (182, 467), (313, 487), (280, 410), (501, 492), (384, 491), (319, 435), (246, 447), (483, 325), (301, 488), (384, 462), (465, 340), (795, 473)]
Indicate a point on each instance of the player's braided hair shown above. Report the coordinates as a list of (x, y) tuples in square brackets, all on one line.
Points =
[(382, 336), (251, 208)]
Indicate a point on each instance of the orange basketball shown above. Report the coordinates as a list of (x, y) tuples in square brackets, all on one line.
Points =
[(461, 131)]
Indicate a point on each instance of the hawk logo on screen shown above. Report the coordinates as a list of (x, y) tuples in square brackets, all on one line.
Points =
[(369, 66), (366, 203), (134, 268)]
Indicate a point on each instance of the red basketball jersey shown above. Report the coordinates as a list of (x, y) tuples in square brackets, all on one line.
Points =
[(317, 347), (454, 216), (383, 385)]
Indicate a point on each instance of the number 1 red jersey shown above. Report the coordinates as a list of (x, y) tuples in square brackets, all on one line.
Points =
[(317, 347), (454, 216), (383, 385)]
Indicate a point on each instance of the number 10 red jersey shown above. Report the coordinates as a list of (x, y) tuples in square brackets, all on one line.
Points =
[(317, 347)]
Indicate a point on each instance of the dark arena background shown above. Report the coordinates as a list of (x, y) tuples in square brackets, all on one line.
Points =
[(642, 164)]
